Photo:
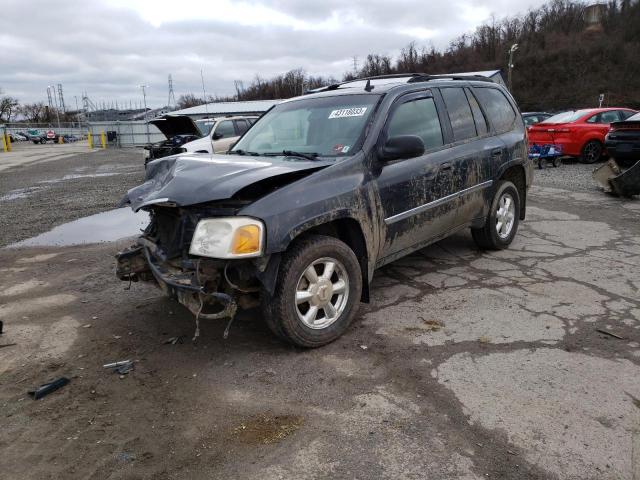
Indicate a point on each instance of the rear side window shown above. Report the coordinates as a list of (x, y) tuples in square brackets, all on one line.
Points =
[(417, 117), (241, 126), (478, 116), (460, 114), (498, 108)]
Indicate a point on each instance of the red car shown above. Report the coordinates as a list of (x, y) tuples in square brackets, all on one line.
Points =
[(580, 133)]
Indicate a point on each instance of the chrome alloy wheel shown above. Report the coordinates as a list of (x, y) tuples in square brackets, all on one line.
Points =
[(505, 216), (322, 293)]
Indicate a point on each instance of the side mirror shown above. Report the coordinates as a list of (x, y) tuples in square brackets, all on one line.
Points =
[(216, 136), (402, 146)]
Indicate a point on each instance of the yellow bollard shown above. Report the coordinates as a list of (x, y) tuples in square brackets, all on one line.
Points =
[(8, 143), (4, 143), (90, 139), (60, 139), (103, 139)]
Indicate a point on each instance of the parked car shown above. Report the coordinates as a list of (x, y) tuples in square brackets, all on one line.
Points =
[(68, 138), (580, 133), (623, 140), (17, 137), (532, 118), (219, 134), (37, 136), (178, 130), (325, 188)]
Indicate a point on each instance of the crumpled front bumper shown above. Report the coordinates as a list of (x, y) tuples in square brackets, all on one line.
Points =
[(139, 262)]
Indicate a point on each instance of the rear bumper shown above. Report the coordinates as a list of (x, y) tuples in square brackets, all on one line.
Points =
[(569, 147), (623, 150)]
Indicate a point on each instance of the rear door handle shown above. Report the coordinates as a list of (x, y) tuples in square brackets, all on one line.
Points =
[(497, 152), (445, 166)]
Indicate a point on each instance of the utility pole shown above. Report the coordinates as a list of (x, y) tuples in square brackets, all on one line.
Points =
[(512, 50), (144, 96), (355, 66)]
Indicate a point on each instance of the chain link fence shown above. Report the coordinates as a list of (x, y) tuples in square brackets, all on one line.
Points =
[(118, 133)]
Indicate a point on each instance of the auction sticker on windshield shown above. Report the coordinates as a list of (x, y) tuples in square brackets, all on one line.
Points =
[(348, 112)]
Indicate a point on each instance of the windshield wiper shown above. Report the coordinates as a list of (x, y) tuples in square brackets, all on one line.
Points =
[(244, 152), (290, 153)]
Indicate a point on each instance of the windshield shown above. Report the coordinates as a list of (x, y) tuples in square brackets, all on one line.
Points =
[(326, 126), (205, 126), (567, 117)]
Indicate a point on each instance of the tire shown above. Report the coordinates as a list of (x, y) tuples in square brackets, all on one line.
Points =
[(285, 316), (591, 152), (488, 237), (557, 162)]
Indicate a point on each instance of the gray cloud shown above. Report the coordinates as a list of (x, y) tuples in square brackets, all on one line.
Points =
[(108, 51)]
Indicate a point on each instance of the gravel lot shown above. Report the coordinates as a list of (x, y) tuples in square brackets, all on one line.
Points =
[(466, 364), (571, 175), (37, 196)]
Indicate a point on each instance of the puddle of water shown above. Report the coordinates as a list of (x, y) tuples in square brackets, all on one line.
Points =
[(73, 176), (101, 227), (19, 193)]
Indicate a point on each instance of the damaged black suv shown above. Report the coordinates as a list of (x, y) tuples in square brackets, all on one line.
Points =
[(325, 188)]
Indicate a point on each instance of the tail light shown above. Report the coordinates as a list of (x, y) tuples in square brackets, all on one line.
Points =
[(634, 126)]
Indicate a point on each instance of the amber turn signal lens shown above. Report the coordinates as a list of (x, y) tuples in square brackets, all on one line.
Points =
[(246, 240)]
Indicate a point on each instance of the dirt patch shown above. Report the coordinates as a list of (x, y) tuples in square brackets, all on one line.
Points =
[(267, 428)]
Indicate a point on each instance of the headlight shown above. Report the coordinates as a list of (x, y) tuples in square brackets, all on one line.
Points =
[(232, 237)]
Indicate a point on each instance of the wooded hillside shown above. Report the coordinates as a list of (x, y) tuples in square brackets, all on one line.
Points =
[(563, 61)]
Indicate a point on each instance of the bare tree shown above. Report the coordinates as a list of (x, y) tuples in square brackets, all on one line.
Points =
[(8, 106), (34, 112)]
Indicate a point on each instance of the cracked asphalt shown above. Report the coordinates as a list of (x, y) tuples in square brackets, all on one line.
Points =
[(465, 365)]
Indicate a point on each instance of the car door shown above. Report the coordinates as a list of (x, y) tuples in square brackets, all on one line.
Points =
[(470, 153), (223, 136), (410, 195)]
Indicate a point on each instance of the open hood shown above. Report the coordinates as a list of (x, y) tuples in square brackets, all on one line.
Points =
[(189, 179), (172, 125)]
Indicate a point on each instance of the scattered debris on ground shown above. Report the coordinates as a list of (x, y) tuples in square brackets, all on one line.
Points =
[(47, 388)]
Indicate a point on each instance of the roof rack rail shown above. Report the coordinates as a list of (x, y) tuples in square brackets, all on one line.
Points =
[(426, 78), (413, 78)]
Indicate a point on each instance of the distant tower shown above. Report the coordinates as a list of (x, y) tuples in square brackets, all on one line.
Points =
[(172, 98), (50, 98), (61, 98)]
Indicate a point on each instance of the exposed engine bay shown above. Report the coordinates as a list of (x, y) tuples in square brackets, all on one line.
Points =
[(209, 288)]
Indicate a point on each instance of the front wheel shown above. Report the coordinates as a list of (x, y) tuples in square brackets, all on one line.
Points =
[(317, 293), (502, 222)]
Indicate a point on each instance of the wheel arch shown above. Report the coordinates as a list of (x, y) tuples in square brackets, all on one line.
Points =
[(516, 175), (348, 230)]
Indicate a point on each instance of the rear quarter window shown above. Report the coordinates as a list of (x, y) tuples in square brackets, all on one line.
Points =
[(499, 110), (459, 112)]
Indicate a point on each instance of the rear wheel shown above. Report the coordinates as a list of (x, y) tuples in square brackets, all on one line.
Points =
[(502, 222), (591, 152), (317, 293)]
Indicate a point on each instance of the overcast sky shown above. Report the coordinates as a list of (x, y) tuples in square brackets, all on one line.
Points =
[(110, 47)]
